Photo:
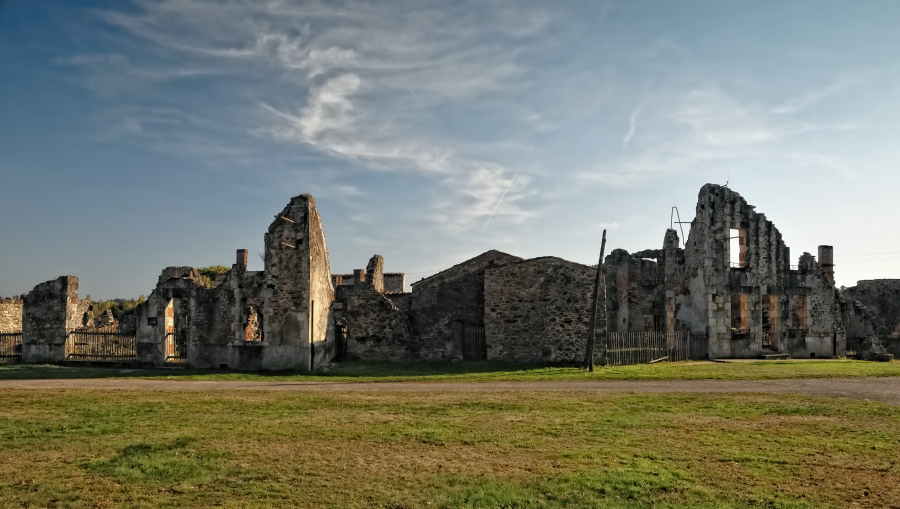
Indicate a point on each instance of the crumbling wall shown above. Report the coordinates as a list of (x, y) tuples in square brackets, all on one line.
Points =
[(298, 277), (170, 308), (822, 333), (882, 298), (80, 314), (633, 291), (873, 309), (538, 310), (758, 303), (11, 314), (443, 303), (48, 312), (378, 326), (321, 293)]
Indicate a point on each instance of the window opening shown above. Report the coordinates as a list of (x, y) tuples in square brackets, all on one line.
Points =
[(737, 247), (740, 314)]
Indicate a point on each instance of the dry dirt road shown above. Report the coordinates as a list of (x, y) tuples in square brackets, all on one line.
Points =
[(883, 389)]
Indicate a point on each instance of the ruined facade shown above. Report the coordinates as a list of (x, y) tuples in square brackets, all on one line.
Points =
[(276, 319), (733, 281)]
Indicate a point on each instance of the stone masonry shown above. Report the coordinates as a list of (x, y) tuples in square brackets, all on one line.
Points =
[(296, 315), (538, 310), (11, 314)]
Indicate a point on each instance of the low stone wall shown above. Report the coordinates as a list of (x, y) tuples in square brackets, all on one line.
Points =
[(377, 328), (538, 310), (11, 314)]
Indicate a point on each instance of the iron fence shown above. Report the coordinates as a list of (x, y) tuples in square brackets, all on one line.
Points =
[(626, 348), (474, 347), (100, 346), (11, 346)]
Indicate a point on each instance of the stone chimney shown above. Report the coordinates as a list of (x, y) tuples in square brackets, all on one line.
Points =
[(826, 261), (241, 259)]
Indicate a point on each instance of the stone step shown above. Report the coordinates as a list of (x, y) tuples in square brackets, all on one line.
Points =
[(776, 356)]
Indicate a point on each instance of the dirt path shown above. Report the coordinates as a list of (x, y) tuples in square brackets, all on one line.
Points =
[(883, 389)]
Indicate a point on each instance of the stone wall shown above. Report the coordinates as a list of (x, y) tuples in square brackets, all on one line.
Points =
[(378, 326), (299, 311), (882, 299), (394, 282), (759, 304), (11, 314), (633, 292), (443, 303), (49, 311), (538, 310)]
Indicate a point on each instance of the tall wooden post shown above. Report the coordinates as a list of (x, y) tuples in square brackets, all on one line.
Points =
[(599, 284)]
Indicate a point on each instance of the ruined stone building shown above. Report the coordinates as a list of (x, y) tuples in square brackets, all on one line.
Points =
[(279, 318), (733, 281), (759, 303)]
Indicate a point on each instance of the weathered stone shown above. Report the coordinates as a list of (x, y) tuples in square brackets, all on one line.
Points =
[(538, 310), (11, 314)]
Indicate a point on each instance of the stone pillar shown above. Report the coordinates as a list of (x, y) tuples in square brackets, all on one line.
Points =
[(45, 316), (375, 273), (826, 261), (151, 331)]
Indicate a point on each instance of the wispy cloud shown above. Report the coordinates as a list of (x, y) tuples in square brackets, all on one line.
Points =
[(356, 81), (815, 96), (632, 126), (704, 128)]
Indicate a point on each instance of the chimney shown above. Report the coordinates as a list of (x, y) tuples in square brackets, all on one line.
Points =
[(826, 261), (242, 259)]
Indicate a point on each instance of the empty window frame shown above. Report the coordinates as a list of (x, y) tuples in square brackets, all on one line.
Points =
[(737, 247), (740, 313), (799, 312)]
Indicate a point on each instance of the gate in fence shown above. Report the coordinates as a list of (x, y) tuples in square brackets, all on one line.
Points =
[(626, 348), (176, 349), (474, 347), (84, 345), (11, 346)]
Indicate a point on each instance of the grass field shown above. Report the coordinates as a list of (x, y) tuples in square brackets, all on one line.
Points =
[(487, 371), (237, 449)]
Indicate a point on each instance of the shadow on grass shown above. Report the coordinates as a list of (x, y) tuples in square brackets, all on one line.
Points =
[(342, 370), (167, 464)]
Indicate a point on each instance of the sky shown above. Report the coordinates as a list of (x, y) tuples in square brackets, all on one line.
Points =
[(136, 135)]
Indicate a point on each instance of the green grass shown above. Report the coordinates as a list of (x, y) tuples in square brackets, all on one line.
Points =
[(78, 448), (489, 371)]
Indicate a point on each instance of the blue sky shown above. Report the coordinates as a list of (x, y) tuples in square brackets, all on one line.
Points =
[(139, 135)]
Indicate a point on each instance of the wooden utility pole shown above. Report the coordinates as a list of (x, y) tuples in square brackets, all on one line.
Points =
[(599, 284)]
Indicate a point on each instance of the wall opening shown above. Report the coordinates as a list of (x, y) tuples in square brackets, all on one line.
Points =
[(798, 312), (740, 314), (769, 315), (176, 346), (737, 247)]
